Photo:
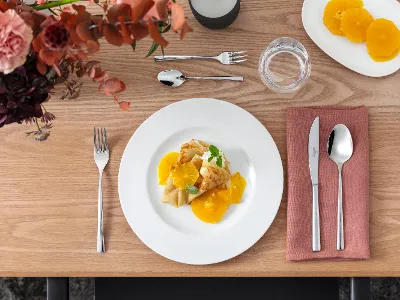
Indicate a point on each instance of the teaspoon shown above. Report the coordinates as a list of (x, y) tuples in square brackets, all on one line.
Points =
[(176, 78), (340, 149)]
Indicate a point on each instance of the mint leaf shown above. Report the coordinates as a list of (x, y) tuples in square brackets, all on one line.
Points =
[(219, 161), (210, 158), (191, 189), (214, 150)]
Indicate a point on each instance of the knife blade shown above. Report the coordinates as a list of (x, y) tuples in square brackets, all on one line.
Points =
[(313, 161)]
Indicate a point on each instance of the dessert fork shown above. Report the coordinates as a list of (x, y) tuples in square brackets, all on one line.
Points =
[(226, 58), (101, 157)]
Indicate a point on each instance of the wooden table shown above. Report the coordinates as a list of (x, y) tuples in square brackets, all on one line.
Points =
[(48, 202)]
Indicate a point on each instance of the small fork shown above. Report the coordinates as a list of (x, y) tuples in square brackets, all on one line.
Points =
[(101, 157), (226, 58)]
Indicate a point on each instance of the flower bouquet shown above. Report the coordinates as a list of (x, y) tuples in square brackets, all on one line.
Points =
[(38, 51)]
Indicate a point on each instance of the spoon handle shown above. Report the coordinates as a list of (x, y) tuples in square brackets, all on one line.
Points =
[(232, 78), (340, 229)]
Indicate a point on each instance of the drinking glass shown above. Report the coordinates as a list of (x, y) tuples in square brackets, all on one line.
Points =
[(284, 65)]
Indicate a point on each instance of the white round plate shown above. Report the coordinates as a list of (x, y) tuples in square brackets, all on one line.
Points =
[(351, 55), (176, 233)]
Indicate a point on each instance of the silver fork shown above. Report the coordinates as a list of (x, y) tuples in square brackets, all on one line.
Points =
[(226, 58), (101, 157)]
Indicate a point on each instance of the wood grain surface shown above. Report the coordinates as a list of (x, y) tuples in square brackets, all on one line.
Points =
[(48, 190)]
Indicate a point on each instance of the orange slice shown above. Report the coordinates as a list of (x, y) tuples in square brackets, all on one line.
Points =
[(334, 11), (165, 167), (355, 22), (184, 174), (383, 40), (210, 208), (234, 194)]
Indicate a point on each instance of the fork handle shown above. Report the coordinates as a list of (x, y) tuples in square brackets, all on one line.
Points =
[(180, 57), (100, 233)]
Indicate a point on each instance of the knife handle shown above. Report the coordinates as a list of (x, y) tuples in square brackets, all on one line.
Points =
[(316, 239)]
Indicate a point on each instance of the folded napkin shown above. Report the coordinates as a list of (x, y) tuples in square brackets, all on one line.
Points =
[(355, 185)]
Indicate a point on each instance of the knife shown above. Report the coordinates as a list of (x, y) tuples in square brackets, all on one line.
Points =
[(313, 157)]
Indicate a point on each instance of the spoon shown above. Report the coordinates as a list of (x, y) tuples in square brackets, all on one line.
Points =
[(175, 78), (340, 149)]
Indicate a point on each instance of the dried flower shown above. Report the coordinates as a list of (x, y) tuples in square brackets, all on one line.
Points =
[(15, 39), (47, 117), (42, 133), (55, 36)]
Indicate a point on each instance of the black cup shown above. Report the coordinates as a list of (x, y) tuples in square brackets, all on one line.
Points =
[(217, 23)]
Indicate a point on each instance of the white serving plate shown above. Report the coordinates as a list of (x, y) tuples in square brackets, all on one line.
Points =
[(351, 55)]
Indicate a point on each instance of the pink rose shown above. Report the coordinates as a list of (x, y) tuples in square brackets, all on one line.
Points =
[(15, 39), (40, 2)]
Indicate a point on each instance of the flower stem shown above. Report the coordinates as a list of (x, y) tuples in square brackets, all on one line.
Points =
[(45, 110), (53, 4), (37, 124)]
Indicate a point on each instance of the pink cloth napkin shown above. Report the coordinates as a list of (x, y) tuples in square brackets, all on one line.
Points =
[(355, 185)]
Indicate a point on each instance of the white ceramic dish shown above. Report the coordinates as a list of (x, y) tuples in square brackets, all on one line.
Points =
[(176, 233), (351, 55)]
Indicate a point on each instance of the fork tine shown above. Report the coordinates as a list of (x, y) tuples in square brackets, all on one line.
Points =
[(236, 53), (238, 57), (94, 135), (105, 139), (102, 140), (237, 61), (98, 139)]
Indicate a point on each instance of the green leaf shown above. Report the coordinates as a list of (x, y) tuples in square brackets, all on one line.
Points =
[(219, 161), (134, 45), (191, 189), (214, 150), (174, 1), (210, 158), (152, 49), (166, 29)]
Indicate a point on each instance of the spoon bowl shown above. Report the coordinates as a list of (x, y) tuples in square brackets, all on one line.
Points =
[(172, 78), (340, 150)]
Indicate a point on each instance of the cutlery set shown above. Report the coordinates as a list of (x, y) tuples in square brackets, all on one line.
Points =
[(340, 150), (175, 78)]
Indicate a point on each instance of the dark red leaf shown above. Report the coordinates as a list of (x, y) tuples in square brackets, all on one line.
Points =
[(140, 8), (98, 29), (124, 105), (103, 75), (126, 35), (94, 71), (177, 16), (139, 31), (119, 10), (92, 47), (74, 36), (37, 43), (64, 16), (113, 85), (83, 31), (92, 63), (161, 6), (41, 67), (80, 72), (185, 29), (47, 56), (112, 35), (155, 34)]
